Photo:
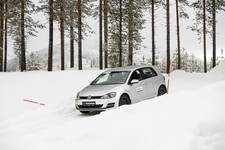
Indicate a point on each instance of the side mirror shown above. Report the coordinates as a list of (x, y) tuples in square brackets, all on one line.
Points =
[(134, 81)]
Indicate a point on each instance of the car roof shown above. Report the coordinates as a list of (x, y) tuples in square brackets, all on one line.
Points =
[(127, 68)]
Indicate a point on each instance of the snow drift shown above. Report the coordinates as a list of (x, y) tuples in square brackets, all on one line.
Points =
[(190, 117)]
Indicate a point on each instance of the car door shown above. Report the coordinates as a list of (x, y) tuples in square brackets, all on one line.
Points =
[(151, 78), (138, 91)]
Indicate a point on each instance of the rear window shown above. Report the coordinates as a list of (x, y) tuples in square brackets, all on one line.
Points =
[(149, 72)]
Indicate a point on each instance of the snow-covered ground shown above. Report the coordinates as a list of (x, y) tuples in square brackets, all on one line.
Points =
[(191, 116)]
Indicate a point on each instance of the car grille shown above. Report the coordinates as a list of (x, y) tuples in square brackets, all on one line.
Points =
[(95, 106), (92, 97)]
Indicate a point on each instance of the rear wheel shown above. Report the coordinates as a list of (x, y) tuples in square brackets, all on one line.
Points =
[(161, 91), (124, 100)]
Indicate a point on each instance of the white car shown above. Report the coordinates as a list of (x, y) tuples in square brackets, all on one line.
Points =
[(120, 86)]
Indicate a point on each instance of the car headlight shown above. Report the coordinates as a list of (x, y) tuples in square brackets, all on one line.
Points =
[(109, 95), (78, 97)]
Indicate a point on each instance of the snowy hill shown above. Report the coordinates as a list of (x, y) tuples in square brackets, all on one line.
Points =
[(190, 117)]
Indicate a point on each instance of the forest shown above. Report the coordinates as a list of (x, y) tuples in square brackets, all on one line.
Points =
[(120, 23)]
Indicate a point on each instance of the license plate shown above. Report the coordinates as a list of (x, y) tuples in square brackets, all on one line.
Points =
[(88, 103)]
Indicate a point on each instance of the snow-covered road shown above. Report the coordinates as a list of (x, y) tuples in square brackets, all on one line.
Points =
[(190, 117)]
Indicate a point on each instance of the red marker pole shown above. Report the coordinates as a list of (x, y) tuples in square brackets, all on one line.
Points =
[(33, 102), (168, 79)]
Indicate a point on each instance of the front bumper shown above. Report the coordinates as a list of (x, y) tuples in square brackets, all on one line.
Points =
[(99, 104)]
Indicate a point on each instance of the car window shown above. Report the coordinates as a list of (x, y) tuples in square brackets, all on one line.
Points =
[(136, 75), (149, 72), (102, 79), (116, 77)]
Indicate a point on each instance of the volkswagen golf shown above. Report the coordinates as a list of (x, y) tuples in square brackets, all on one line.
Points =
[(120, 86)]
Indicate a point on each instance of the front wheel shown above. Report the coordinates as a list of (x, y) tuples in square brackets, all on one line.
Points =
[(161, 91), (124, 100)]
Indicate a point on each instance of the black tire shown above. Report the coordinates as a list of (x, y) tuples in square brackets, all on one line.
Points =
[(85, 112), (124, 100), (161, 91)]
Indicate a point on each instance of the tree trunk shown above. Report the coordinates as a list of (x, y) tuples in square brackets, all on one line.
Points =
[(204, 37), (62, 36), (79, 37), (5, 60), (50, 47), (1, 34), (23, 51), (106, 32), (100, 35), (153, 34), (178, 34), (71, 44), (130, 32), (120, 36), (168, 35), (214, 34)]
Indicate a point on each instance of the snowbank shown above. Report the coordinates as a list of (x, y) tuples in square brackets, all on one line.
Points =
[(190, 117)]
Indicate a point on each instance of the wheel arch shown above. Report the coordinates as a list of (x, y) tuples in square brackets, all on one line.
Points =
[(159, 90), (127, 96), (162, 85)]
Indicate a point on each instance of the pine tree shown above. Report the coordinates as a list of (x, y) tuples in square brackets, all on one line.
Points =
[(68, 13), (34, 62), (182, 15), (60, 17), (100, 35), (168, 33), (207, 19), (153, 6), (106, 32), (50, 47), (72, 15), (134, 11), (1, 33), (214, 31), (185, 60), (62, 34), (193, 62), (200, 17), (23, 55), (143, 61), (21, 24), (175, 60), (124, 28), (31, 62), (79, 36), (130, 31), (80, 11), (153, 32), (116, 34), (178, 34), (6, 22), (163, 67), (213, 7)]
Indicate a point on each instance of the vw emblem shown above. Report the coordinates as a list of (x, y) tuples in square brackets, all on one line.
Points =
[(89, 97)]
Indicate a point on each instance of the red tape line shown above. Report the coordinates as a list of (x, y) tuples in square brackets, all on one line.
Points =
[(33, 102)]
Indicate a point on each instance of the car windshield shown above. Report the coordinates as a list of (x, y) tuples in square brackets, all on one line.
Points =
[(115, 77)]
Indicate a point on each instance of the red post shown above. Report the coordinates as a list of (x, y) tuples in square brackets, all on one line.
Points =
[(168, 78)]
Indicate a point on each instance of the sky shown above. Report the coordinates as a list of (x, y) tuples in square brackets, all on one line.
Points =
[(188, 38)]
